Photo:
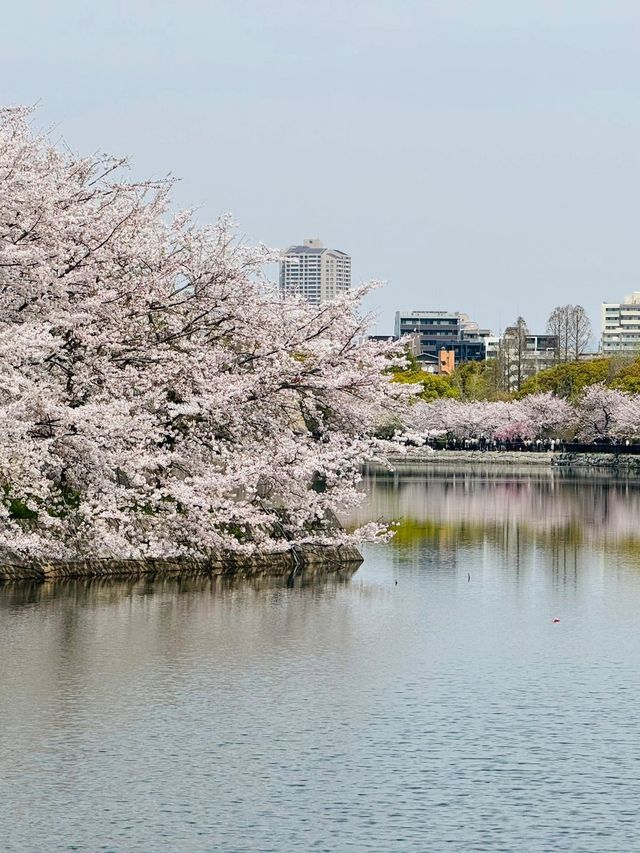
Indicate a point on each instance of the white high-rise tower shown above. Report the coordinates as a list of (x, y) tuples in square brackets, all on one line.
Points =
[(317, 273)]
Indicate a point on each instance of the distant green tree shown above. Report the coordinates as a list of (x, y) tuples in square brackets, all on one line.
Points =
[(568, 380), (478, 380), (434, 386), (627, 377)]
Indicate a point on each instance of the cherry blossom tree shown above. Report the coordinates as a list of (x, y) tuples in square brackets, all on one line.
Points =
[(600, 412), (459, 419), (546, 415), (533, 417), (159, 396), (627, 425)]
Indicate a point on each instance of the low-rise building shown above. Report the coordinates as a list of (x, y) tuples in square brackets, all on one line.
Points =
[(520, 355), (541, 352), (491, 346), (621, 326), (437, 330), (446, 361)]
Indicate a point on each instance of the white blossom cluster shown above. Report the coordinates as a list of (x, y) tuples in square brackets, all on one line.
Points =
[(601, 413), (158, 397)]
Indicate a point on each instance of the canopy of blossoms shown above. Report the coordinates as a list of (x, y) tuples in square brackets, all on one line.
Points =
[(158, 397), (601, 414)]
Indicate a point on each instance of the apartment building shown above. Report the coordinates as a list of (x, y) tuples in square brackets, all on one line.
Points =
[(621, 326), (438, 330), (314, 272)]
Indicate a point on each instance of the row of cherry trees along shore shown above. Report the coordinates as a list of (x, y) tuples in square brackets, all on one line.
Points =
[(599, 414), (158, 396)]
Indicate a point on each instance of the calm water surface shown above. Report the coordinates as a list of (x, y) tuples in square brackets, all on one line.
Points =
[(446, 711)]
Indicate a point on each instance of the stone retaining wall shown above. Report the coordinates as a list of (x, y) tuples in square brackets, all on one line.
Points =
[(613, 461), (473, 457), (618, 462), (307, 560)]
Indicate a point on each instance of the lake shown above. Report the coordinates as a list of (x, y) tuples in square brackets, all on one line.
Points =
[(429, 701)]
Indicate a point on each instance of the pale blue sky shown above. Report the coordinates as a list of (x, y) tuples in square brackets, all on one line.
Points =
[(479, 155)]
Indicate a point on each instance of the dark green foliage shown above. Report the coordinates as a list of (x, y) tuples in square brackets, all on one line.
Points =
[(19, 510), (477, 380), (433, 386), (568, 380), (627, 378), (67, 500)]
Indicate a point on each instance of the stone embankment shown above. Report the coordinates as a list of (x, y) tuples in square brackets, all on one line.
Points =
[(612, 461), (306, 561), (418, 456)]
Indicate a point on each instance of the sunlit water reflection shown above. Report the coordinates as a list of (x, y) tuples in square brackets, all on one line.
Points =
[(444, 711)]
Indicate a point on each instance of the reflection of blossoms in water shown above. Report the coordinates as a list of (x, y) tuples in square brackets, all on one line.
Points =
[(487, 504)]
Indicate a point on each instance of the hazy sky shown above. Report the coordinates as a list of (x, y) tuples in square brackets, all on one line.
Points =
[(478, 155)]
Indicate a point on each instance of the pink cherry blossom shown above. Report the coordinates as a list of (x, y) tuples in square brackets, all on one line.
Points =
[(600, 414), (159, 396)]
